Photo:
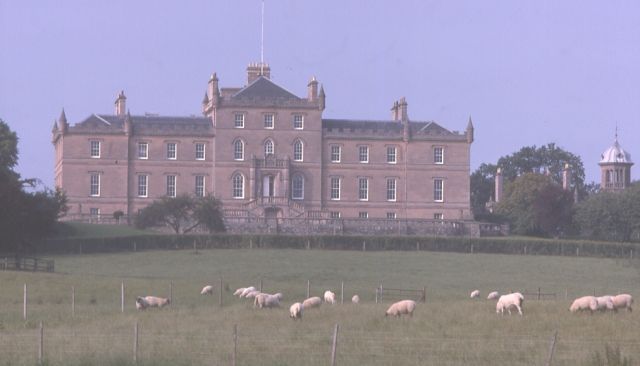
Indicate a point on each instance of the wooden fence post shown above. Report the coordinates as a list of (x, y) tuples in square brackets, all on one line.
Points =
[(424, 293), (234, 355), (471, 248), (552, 348), (135, 249), (364, 246), (418, 246), (73, 301), (135, 343), (122, 297), (220, 294), (171, 294), (566, 293), (381, 292), (538, 293), (41, 344), (377, 290), (308, 288), (260, 285), (24, 304), (342, 293), (334, 345)]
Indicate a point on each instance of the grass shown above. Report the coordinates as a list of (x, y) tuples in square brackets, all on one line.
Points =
[(449, 329)]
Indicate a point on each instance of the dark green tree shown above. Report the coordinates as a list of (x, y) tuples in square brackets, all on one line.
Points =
[(482, 189), (25, 216), (534, 204), (182, 214)]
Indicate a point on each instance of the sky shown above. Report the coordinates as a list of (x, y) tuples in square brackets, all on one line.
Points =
[(526, 72)]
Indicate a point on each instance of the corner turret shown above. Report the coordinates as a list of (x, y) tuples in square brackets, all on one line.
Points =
[(469, 131), (321, 99)]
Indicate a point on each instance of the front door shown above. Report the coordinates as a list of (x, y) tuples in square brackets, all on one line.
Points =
[(268, 186)]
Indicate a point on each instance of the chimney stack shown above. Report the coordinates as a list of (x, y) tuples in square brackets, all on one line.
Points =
[(121, 104), (312, 88), (402, 105), (257, 69)]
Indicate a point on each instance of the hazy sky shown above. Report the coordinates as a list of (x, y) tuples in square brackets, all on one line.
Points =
[(527, 72)]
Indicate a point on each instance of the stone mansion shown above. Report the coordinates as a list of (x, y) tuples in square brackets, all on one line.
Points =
[(266, 154)]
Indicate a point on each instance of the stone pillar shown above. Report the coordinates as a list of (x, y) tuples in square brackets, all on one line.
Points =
[(252, 178), (566, 178)]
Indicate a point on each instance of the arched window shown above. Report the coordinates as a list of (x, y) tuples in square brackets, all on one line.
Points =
[(298, 150), (238, 186), (238, 150), (268, 147), (297, 187)]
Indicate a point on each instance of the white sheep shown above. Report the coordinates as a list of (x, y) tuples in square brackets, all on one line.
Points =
[(493, 295), (330, 297), (622, 301), (506, 302), (474, 294), (252, 294), (355, 299), (312, 302), (207, 290), (246, 291), (267, 300), (295, 311), (604, 303), (584, 303), (401, 307), (143, 303), (239, 291)]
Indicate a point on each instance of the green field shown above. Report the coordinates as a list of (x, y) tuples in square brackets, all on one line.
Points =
[(449, 329)]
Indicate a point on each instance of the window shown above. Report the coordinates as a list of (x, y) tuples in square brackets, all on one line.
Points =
[(94, 212), (171, 151), (171, 185), (143, 150), (143, 181), (239, 120), (200, 151), (199, 185), (438, 195), (268, 147), (95, 185), (363, 189), (363, 154), (391, 189), (238, 150), (391, 154), (297, 150), (335, 214), (335, 153), (238, 186), (391, 215), (95, 149), (268, 120), (438, 155), (438, 216), (335, 188), (363, 215), (297, 187), (298, 121)]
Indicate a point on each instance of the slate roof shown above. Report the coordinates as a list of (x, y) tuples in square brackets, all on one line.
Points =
[(386, 129), (145, 125), (264, 88), (263, 92)]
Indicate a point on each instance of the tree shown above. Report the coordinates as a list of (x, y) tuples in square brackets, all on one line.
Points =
[(530, 159), (25, 216), (535, 205), (182, 214)]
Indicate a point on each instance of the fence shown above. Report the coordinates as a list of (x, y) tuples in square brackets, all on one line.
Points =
[(31, 264)]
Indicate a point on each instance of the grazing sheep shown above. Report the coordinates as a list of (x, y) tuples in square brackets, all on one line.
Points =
[(267, 300), (493, 295), (605, 303), (330, 297), (252, 294), (246, 291), (295, 311), (207, 290), (355, 299), (239, 291), (312, 302), (583, 304), (506, 302), (622, 301), (401, 307), (143, 303), (474, 294)]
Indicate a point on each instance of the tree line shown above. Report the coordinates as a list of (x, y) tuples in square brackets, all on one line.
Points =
[(535, 203)]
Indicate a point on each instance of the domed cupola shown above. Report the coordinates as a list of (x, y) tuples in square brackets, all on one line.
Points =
[(615, 166)]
